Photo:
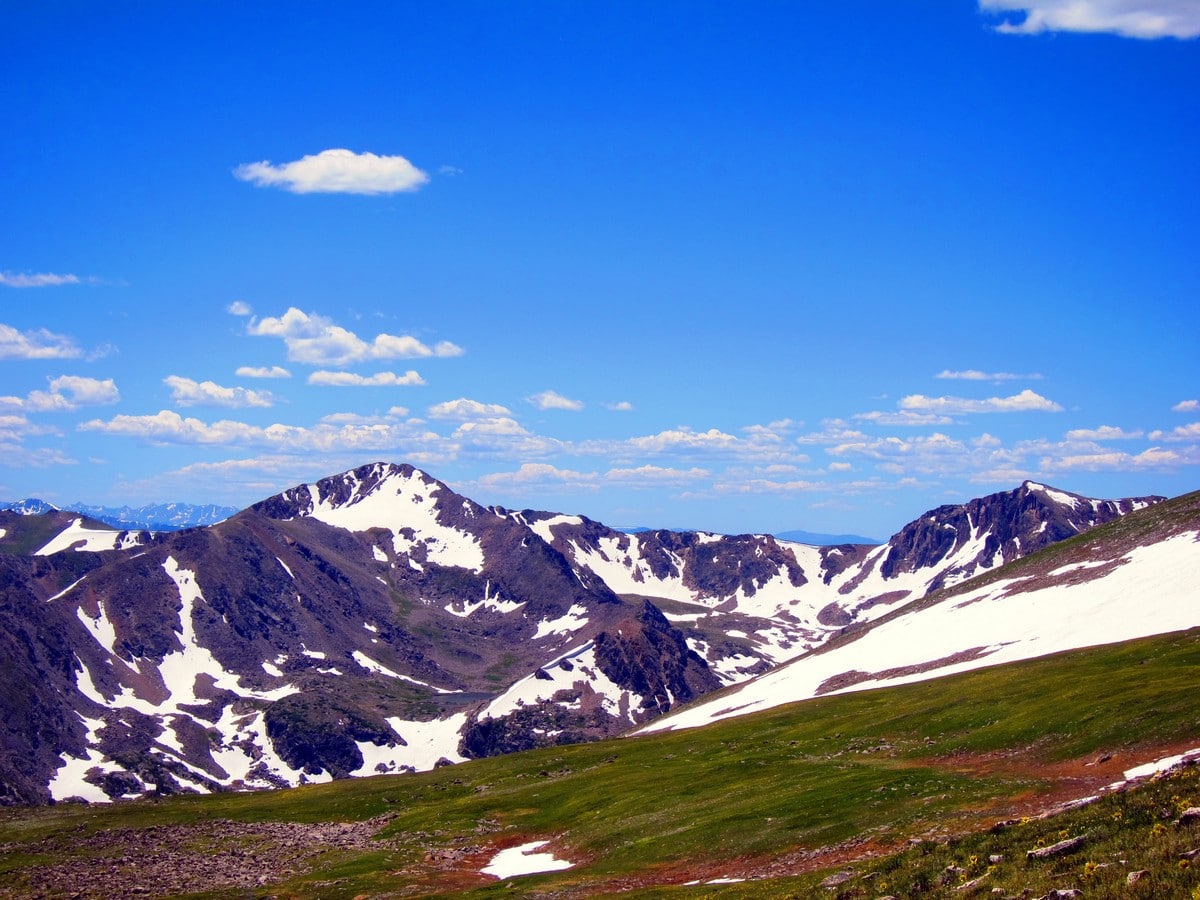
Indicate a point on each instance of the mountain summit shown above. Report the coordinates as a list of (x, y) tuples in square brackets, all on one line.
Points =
[(377, 621)]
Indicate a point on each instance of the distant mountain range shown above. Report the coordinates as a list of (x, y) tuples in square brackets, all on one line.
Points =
[(151, 517), (377, 621)]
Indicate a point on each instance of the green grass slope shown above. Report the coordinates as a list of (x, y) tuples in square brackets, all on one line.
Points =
[(785, 798)]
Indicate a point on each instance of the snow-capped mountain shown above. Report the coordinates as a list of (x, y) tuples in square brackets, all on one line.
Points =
[(151, 517), (156, 516), (1114, 585), (30, 506), (378, 621)]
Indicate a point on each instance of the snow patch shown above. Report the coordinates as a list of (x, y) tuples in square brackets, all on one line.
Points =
[(524, 860)]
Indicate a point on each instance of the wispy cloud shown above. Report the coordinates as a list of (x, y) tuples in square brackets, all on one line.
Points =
[(620, 406), (37, 344), (239, 308), (541, 474), (379, 379), (36, 280), (336, 172), (977, 375), (315, 340), (187, 392), (905, 418), (1103, 433), (1186, 406), (655, 476), (262, 372), (1026, 401), (555, 400), (1128, 18)]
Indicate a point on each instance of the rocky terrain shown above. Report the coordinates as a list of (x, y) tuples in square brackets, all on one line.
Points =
[(377, 621)]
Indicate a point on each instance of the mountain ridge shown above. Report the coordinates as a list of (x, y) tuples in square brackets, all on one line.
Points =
[(376, 620)]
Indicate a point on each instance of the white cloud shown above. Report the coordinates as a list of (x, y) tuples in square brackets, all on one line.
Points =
[(501, 426), (1129, 18), (315, 340), (379, 379), (976, 375), (187, 392), (262, 372), (37, 344), (66, 393), (684, 439), (239, 308), (833, 431), (1153, 458), (1182, 433), (555, 400), (905, 418), (620, 406), (1103, 433), (40, 279), (654, 476), (1186, 406), (1026, 401), (336, 172), (462, 408), (168, 427)]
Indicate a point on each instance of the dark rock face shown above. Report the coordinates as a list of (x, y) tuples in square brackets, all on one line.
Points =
[(650, 657), (314, 733), (1013, 524), (38, 641)]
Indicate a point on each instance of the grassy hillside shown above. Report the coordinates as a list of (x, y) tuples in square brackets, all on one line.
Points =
[(791, 795)]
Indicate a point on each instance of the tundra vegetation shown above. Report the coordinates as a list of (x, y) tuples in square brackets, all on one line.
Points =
[(934, 789)]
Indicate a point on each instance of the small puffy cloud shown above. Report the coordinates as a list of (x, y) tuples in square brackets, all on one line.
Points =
[(239, 308), (1186, 406), (462, 408), (1128, 18), (976, 375), (67, 393), (555, 400), (315, 340), (620, 406), (684, 439), (1103, 433), (840, 467), (1026, 401), (379, 379), (833, 431), (37, 344), (1182, 433), (262, 372), (39, 279), (187, 392), (499, 426), (336, 172)]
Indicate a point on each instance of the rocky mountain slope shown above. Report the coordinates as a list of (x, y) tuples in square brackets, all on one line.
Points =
[(378, 621), (1132, 578)]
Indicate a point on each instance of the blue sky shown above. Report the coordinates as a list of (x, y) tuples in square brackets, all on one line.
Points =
[(739, 267)]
